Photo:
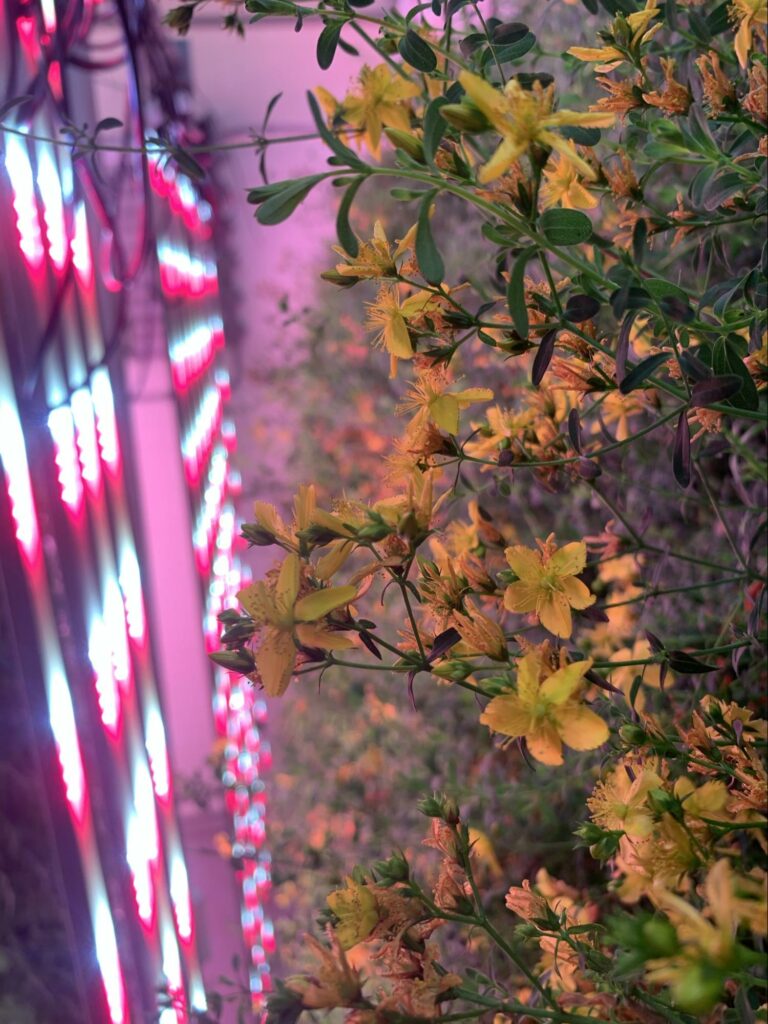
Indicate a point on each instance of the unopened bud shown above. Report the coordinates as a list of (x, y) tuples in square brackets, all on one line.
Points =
[(465, 116), (407, 142)]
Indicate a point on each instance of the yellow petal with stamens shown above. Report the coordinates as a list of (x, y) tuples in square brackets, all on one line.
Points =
[(521, 597), (570, 559), (444, 410)]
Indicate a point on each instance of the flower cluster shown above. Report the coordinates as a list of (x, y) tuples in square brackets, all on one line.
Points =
[(538, 510)]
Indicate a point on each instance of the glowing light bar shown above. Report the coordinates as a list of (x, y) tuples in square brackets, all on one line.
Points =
[(172, 971), (109, 961), (48, 8), (81, 246), (199, 437), (182, 905), (62, 718), (100, 655), (87, 438), (62, 427), (19, 169), (114, 621), (144, 802), (106, 424), (157, 751), (53, 208), (140, 863), (130, 584), (14, 459)]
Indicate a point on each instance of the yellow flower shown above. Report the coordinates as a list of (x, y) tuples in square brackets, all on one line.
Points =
[(749, 14), (381, 99), (430, 397), (546, 710), (332, 983), (276, 609), (270, 525), (479, 634), (375, 258), (355, 908), (562, 185), (624, 676), (524, 118), (548, 584), (619, 802), (609, 57), (390, 316)]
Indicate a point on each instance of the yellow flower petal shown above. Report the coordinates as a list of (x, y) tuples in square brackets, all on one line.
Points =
[(591, 53), (544, 744), (258, 602), (506, 154), (528, 680), (577, 593), (506, 714), (555, 613), (562, 685), (524, 563), (355, 907), (444, 410), (580, 727), (275, 659), (321, 602), (570, 559), (397, 340), (521, 597), (287, 586), (325, 639)]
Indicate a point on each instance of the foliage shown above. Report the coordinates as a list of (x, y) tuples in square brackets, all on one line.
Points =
[(567, 528)]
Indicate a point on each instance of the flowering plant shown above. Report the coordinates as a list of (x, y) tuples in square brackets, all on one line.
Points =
[(602, 377)]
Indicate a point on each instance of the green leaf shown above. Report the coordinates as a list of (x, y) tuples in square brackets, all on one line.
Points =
[(516, 294), (106, 123), (187, 163), (417, 52), (727, 360), (434, 128), (429, 259), (344, 232), (565, 227), (327, 42), (335, 144), (636, 376), (281, 205)]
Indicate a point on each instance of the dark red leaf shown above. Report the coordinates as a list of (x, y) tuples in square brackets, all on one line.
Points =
[(543, 357), (681, 457)]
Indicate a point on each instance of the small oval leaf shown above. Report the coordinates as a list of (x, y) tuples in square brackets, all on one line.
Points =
[(543, 357), (580, 308), (417, 52), (565, 227), (636, 376), (429, 259), (715, 389), (681, 456)]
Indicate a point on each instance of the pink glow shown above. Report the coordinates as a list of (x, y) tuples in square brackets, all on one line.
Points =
[(109, 961), (100, 655), (14, 459), (87, 439), (53, 208), (62, 427), (19, 168), (81, 247), (157, 752), (62, 718), (140, 864), (133, 599), (182, 905)]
